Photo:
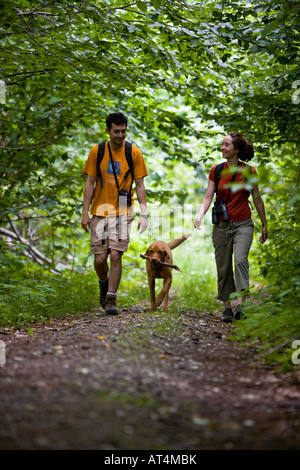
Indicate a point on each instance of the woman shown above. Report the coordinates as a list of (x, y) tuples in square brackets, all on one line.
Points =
[(236, 234)]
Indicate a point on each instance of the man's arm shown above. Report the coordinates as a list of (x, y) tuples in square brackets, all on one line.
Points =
[(141, 196), (88, 195)]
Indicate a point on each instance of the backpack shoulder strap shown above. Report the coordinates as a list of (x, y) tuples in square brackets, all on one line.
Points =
[(128, 155), (249, 169), (218, 171), (101, 148)]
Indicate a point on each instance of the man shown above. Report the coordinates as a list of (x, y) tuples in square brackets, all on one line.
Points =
[(112, 214)]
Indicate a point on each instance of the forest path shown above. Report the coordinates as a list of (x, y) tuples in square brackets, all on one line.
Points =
[(142, 380)]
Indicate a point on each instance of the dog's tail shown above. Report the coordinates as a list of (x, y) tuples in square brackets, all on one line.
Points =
[(178, 241)]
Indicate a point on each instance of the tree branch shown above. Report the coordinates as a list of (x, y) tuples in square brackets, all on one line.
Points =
[(31, 252), (59, 57), (34, 146), (40, 13), (31, 72)]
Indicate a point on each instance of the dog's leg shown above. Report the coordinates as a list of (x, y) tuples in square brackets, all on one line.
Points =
[(151, 282), (166, 299), (164, 293)]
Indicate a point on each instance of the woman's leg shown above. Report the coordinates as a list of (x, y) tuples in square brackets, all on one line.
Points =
[(223, 245), (243, 236)]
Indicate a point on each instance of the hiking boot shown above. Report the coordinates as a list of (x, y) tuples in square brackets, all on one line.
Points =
[(239, 313), (103, 291), (110, 304), (227, 315)]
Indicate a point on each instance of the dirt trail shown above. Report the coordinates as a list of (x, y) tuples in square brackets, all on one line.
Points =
[(142, 381)]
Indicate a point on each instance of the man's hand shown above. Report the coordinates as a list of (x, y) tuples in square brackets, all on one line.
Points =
[(141, 195), (143, 224), (85, 222)]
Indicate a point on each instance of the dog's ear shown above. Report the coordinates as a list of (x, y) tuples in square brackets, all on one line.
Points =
[(163, 255)]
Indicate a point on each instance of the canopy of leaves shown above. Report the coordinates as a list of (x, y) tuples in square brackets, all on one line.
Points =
[(185, 73)]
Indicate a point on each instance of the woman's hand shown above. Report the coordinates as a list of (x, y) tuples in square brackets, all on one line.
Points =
[(264, 235), (197, 223)]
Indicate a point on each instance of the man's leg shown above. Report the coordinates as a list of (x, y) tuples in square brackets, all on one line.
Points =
[(115, 274), (115, 270), (119, 230), (101, 268), (100, 250)]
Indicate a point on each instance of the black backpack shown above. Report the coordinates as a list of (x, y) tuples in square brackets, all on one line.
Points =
[(128, 155)]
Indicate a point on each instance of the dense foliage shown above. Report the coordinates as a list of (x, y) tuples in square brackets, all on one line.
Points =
[(185, 72)]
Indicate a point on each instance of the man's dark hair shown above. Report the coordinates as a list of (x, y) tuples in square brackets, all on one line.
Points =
[(116, 118)]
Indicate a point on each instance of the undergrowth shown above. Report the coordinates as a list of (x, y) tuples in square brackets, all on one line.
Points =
[(32, 295), (29, 293)]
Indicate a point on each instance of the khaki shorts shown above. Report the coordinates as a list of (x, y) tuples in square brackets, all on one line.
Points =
[(110, 233)]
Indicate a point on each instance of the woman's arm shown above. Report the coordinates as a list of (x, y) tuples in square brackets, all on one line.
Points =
[(260, 207), (206, 202)]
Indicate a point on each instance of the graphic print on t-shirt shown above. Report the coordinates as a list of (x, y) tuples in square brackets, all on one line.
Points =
[(117, 166)]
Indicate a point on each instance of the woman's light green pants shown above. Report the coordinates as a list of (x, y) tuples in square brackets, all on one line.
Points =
[(232, 239)]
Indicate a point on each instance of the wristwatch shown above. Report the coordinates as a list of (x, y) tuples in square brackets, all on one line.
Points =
[(144, 215)]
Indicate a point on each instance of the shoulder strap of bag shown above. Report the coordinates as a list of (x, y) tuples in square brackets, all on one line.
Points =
[(218, 171), (249, 168), (101, 148), (128, 155), (113, 166)]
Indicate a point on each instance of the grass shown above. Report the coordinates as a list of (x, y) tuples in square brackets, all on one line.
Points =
[(29, 294), (142, 400), (35, 296)]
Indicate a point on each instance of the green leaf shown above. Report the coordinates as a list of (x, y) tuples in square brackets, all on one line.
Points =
[(156, 4), (142, 5), (269, 28)]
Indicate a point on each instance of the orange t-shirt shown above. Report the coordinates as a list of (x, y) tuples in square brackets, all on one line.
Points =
[(106, 199), (237, 201)]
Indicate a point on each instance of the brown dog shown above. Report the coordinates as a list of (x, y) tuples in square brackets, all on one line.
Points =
[(159, 265)]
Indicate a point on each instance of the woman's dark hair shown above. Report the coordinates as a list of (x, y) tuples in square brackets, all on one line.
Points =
[(244, 147), (116, 118)]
